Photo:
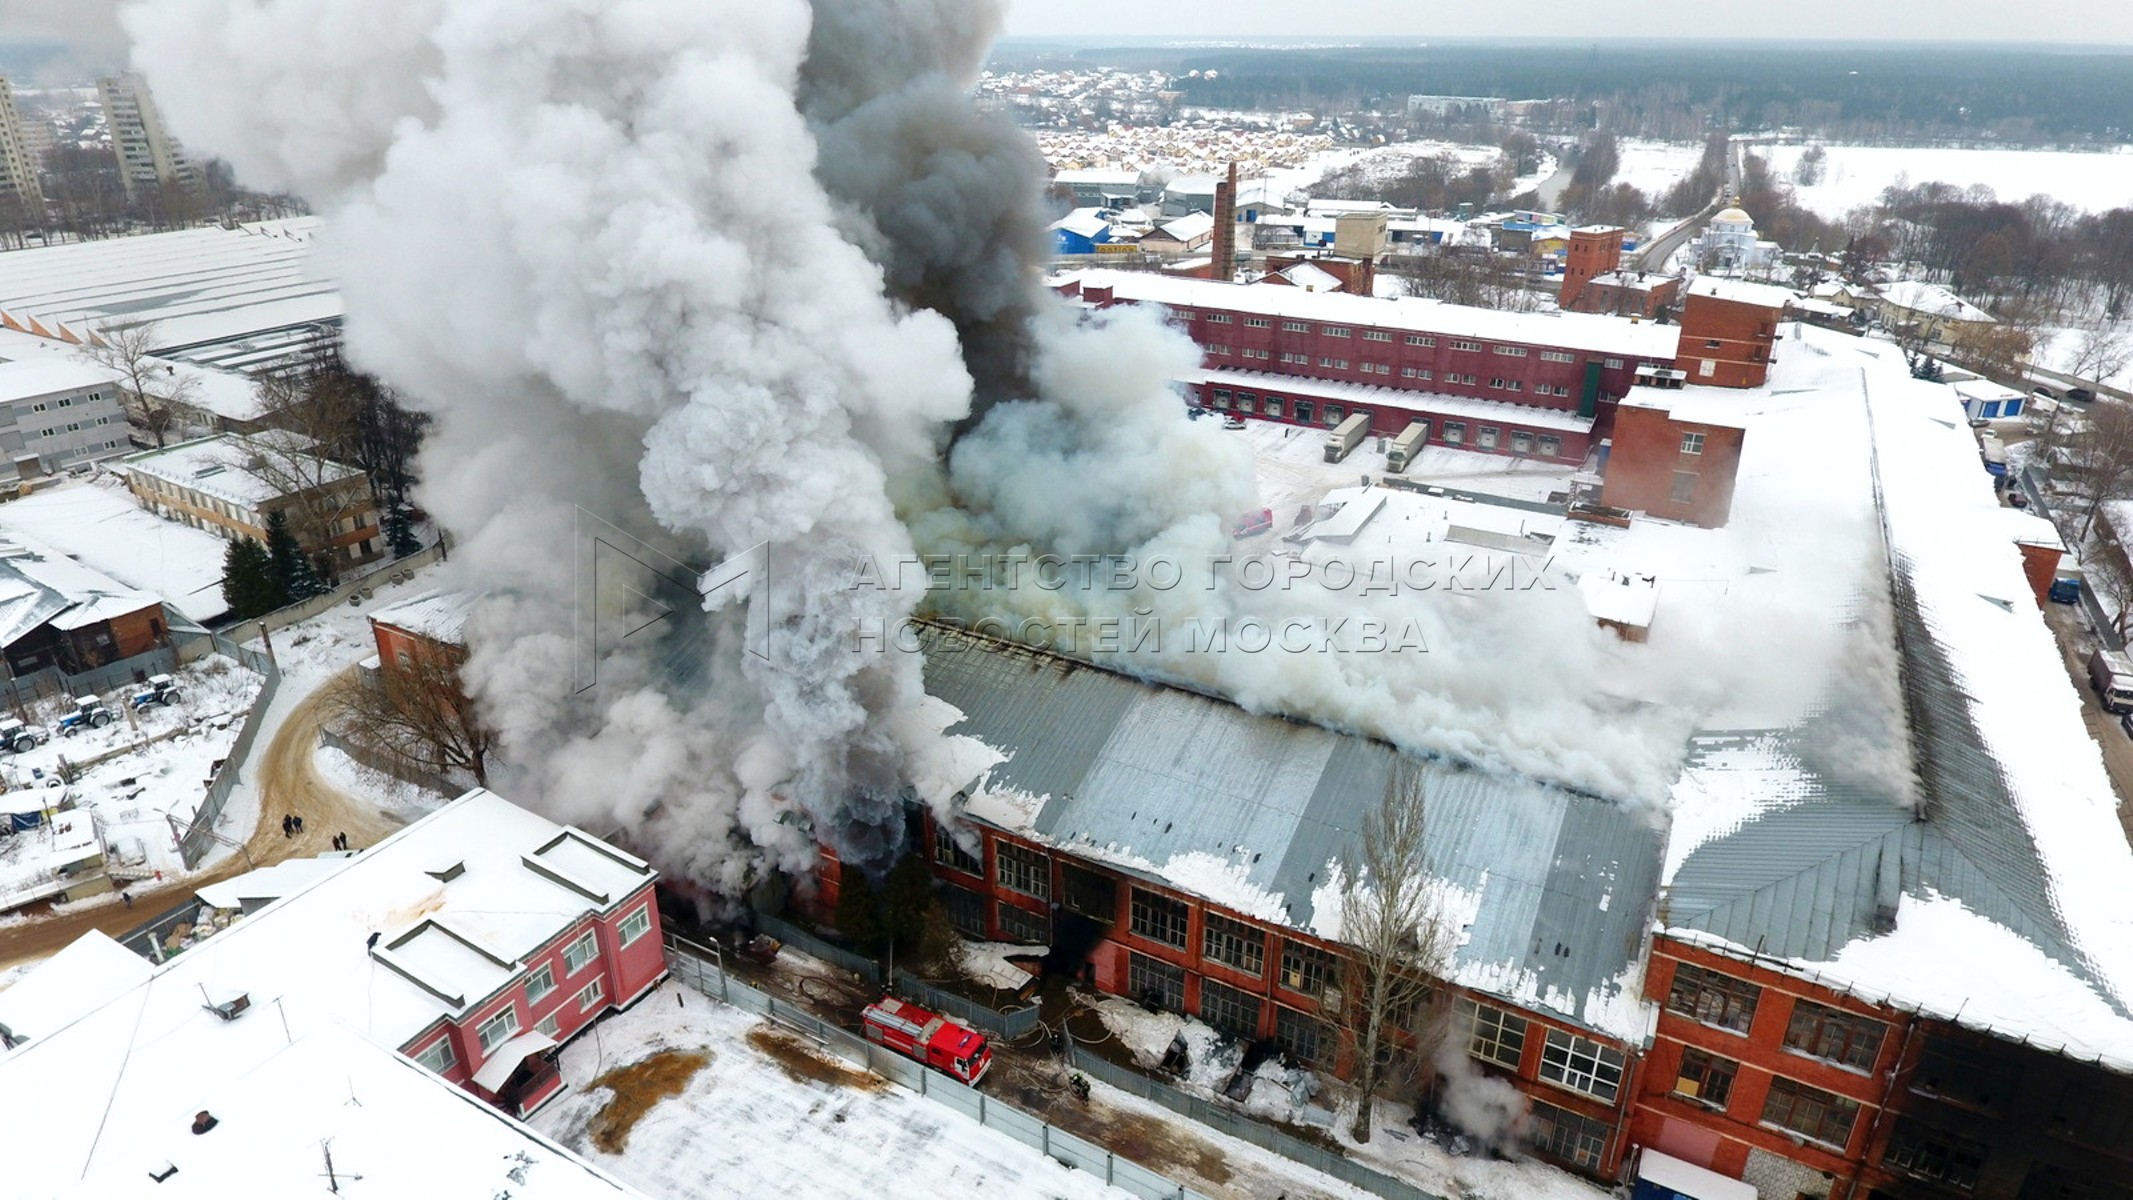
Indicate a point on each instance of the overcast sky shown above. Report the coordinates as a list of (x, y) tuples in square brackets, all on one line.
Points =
[(2075, 21)]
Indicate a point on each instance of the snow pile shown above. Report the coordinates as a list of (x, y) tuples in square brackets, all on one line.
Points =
[(989, 963)]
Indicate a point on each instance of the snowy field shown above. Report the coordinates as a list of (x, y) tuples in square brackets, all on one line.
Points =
[(1855, 175), (136, 794), (765, 1116), (1653, 167), (98, 522)]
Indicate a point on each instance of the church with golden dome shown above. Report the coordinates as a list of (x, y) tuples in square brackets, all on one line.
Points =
[(1729, 243)]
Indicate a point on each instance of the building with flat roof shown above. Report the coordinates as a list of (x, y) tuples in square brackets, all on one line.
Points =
[(56, 414), (231, 484)]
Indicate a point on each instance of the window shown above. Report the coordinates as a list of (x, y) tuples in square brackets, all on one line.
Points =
[(1090, 893), (1456, 377), (549, 1025), (590, 996), (1582, 1065), (1415, 373), (1521, 442), (1831, 1034), (1229, 1010), (1493, 1035), (1295, 359), (580, 952), (1711, 343), (1221, 397), (1303, 411), (1511, 351), (1376, 335), (1558, 356), (1485, 437), (1261, 354), (65, 402), (1333, 330), (1305, 969), (1705, 1077), (1159, 918), (1155, 982), (1684, 489), (37, 407), (1021, 869), (1257, 323), (1334, 414), (1514, 386), (1466, 345), (1303, 1038), (1245, 402), (1810, 1112), (1614, 364), (1712, 998), (539, 984), (1567, 1137), (1295, 327), (1963, 1074), (1499, 383), (1273, 406), (439, 1057), (1234, 944), (1454, 432), (1025, 927), (948, 853), (1692, 443), (498, 1029), (1218, 318), (635, 925), (966, 910), (1707, 368), (1218, 350), (1933, 1154), (1417, 339)]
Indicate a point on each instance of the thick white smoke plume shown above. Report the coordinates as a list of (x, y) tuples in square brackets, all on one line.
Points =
[(721, 273)]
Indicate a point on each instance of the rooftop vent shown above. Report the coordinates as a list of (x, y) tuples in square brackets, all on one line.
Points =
[(230, 1007), (211, 469), (448, 874), (162, 1171)]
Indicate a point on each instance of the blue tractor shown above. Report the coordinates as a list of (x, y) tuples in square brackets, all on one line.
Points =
[(89, 713), (161, 690)]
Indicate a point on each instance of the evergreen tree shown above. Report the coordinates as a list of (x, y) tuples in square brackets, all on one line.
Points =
[(400, 532), (298, 578), (249, 584), (859, 910)]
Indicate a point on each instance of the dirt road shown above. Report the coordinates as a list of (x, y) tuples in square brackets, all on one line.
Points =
[(2074, 639), (288, 783)]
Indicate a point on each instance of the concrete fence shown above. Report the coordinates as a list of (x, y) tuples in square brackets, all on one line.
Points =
[(1011, 1023), (351, 585), (199, 836), (389, 765), (815, 947), (699, 968)]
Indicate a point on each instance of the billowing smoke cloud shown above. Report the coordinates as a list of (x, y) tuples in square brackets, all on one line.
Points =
[(1490, 1110)]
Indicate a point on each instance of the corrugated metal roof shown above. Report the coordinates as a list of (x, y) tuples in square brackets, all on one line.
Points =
[(1565, 881)]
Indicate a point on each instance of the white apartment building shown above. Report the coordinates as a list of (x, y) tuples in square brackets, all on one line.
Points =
[(148, 155), (56, 414), (18, 161)]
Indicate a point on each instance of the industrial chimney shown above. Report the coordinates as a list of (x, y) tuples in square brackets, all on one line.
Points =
[(1225, 264)]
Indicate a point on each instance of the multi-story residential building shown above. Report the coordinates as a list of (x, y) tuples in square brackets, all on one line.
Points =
[(231, 484), (471, 944), (55, 414), (18, 162), (149, 157), (1542, 385)]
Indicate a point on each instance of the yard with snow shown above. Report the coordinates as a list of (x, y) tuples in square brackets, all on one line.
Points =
[(1855, 175), (98, 522), (766, 1114)]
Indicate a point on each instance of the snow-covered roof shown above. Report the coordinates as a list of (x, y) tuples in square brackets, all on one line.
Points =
[(229, 394), (1741, 291), (1312, 278), (256, 888), (103, 528), (1250, 810), (97, 1094), (90, 972), (1085, 222), (1933, 299), (438, 615), (1189, 227), (1727, 407), (39, 585), (1529, 416), (29, 378), (224, 467), (1621, 598), (1590, 332), (1985, 391), (1994, 896)]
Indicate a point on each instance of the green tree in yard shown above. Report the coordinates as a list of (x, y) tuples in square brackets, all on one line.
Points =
[(298, 578), (859, 910), (249, 584), (400, 532)]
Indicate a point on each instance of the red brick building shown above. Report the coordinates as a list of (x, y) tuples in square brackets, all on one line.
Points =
[(1539, 384), (1594, 250), (1594, 282), (1729, 332), (1675, 455)]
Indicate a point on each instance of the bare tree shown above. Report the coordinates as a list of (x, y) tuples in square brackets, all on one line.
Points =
[(2099, 459), (1399, 944), (156, 396), (2100, 354), (297, 456), (2105, 573), (418, 713)]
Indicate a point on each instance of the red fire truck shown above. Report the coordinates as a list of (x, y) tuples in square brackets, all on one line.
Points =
[(943, 1044)]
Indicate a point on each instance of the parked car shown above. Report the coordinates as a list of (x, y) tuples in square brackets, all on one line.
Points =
[(2080, 395), (2125, 722), (2040, 392), (1233, 422)]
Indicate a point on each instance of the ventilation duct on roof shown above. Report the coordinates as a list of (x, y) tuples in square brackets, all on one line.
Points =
[(447, 874)]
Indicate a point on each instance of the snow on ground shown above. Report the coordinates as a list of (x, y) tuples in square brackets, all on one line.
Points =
[(1654, 167), (408, 801), (135, 796), (750, 1125), (1288, 1095), (1855, 175), (987, 963), (98, 522), (1293, 471), (2057, 349)]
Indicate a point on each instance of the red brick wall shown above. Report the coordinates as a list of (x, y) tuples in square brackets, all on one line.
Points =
[(1390, 413), (1647, 454), (1735, 340), (138, 632), (1591, 252), (2041, 565)]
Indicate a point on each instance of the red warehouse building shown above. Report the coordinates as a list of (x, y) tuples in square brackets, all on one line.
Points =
[(1676, 455), (1209, 898), (1524, 376)]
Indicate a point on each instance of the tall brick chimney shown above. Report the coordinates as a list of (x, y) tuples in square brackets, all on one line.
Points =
[(1225, 245)]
